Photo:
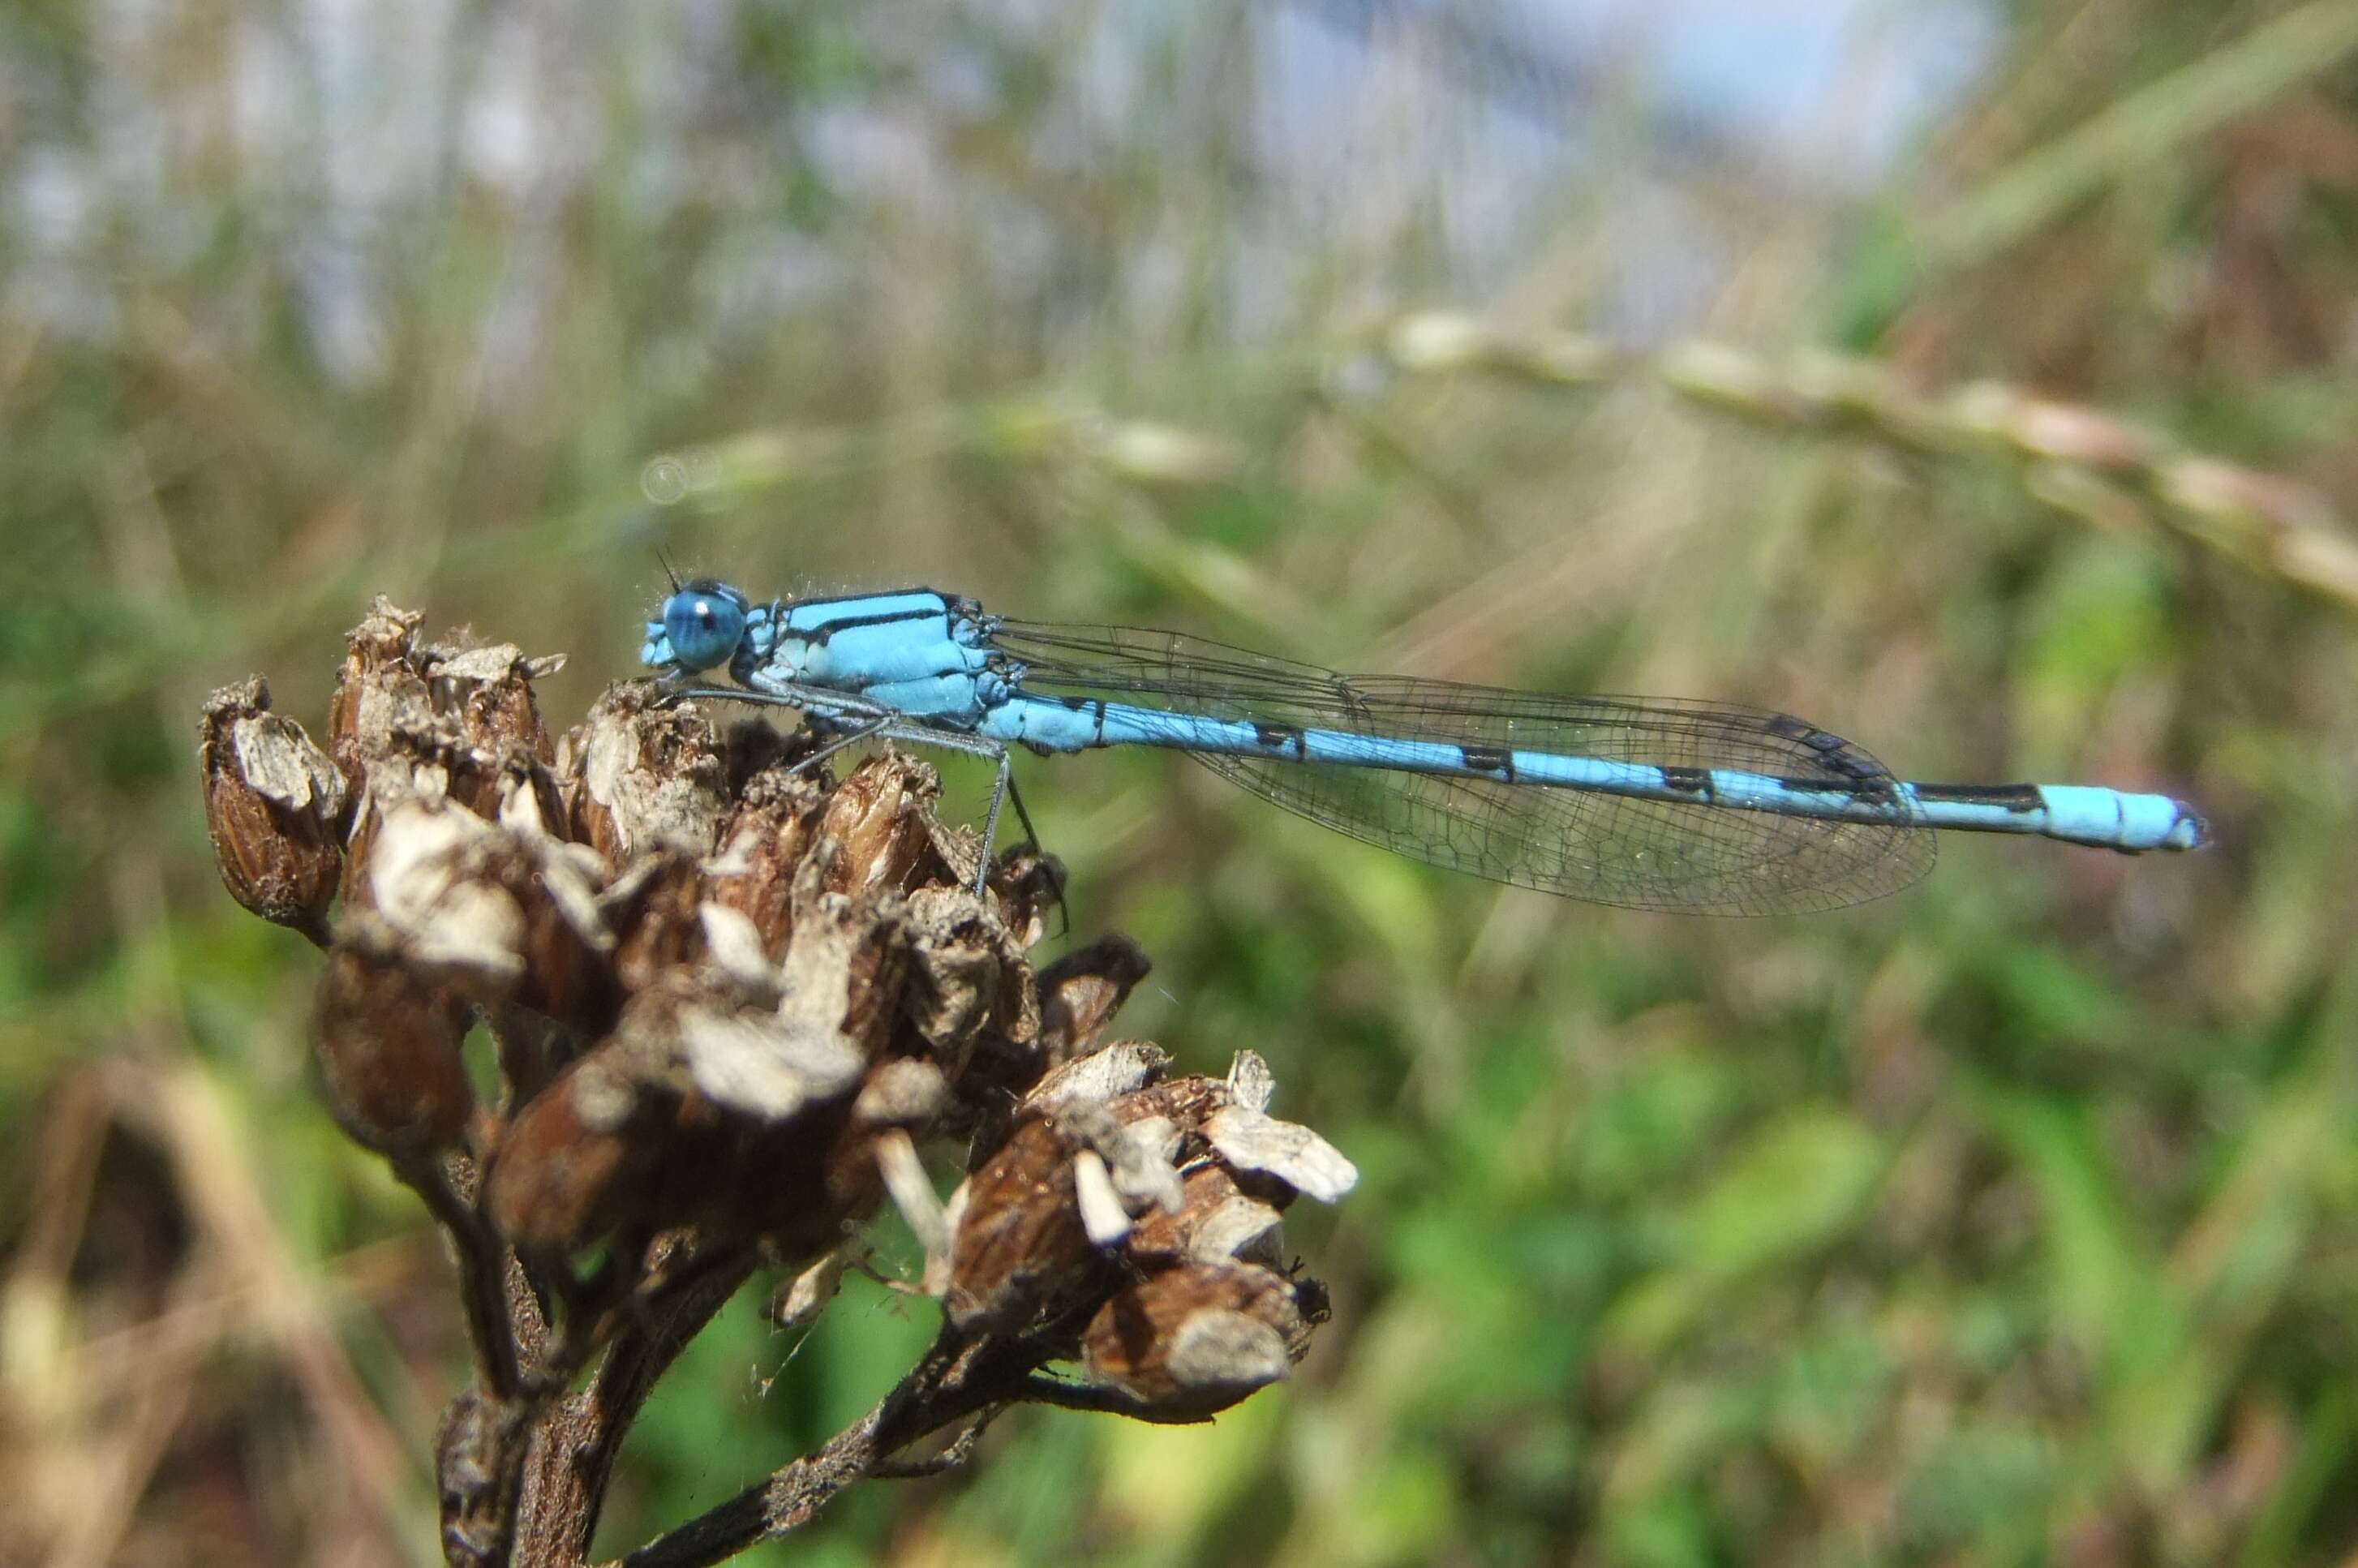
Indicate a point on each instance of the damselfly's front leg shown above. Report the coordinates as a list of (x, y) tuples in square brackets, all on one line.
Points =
[(972, 746), (821, 700)]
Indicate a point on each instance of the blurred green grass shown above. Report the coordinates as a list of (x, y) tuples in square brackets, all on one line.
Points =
[(2014, 1220)]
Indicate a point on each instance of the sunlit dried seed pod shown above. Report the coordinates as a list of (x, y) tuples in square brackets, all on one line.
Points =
[(1036, 1217), (491, 727), (1122, 1067), (843, 970), (774, 1090), (960, 967), (477, 779), (526, 800), (637, 777), (767, 1067), (1272, 1159), (1021, 1246), (1253, 1142), (274, 805), (1194, 1339), (734, 948), (762, 847), (1186, 1101), (877, 818), (442, 879), (1080, 992), (652, 908), (489, 691), (378, 679), (1004, 1084), (1137, 1157), (510, 917), (575, 1163), (388, 1045), (1216, 1220), (1028, 883)]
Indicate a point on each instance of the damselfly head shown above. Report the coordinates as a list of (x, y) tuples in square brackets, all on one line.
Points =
[(703, 620)]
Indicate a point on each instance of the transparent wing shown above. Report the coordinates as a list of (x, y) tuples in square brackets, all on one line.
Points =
[(1638, 854)]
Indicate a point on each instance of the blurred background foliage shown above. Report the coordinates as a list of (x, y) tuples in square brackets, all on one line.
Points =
[(2012, 1220)]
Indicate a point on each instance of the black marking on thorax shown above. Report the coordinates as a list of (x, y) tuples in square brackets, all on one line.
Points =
[(819, 634)]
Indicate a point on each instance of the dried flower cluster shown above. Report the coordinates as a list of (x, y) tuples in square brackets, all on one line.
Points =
[(731, 1005)]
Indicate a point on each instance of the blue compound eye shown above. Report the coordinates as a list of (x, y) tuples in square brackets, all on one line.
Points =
[(703, 623)]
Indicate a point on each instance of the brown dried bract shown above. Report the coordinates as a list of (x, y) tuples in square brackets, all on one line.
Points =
[(274, 805), (1194, 1339), (1020, 1248), (387, 1043), (640, 776)]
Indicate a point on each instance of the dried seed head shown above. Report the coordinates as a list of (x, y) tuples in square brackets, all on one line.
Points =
[(653, 909), (388, 1048), (490, 729), (959, 964), (275, 806), (1195, 1338), (1021, 1249), (877, 818), (1255, 1142), (1216, 1220), (1272, 1159), (573, 1165), (1080, 992), (843, 972), (377, 681), (734, 1004), (639, 777), (440, 876), (1028, 884), (762, 847), (489, 690), (1121, 1069)]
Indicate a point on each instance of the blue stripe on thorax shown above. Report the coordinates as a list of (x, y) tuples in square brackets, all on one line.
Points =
[(809, 616), (904, 650)]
